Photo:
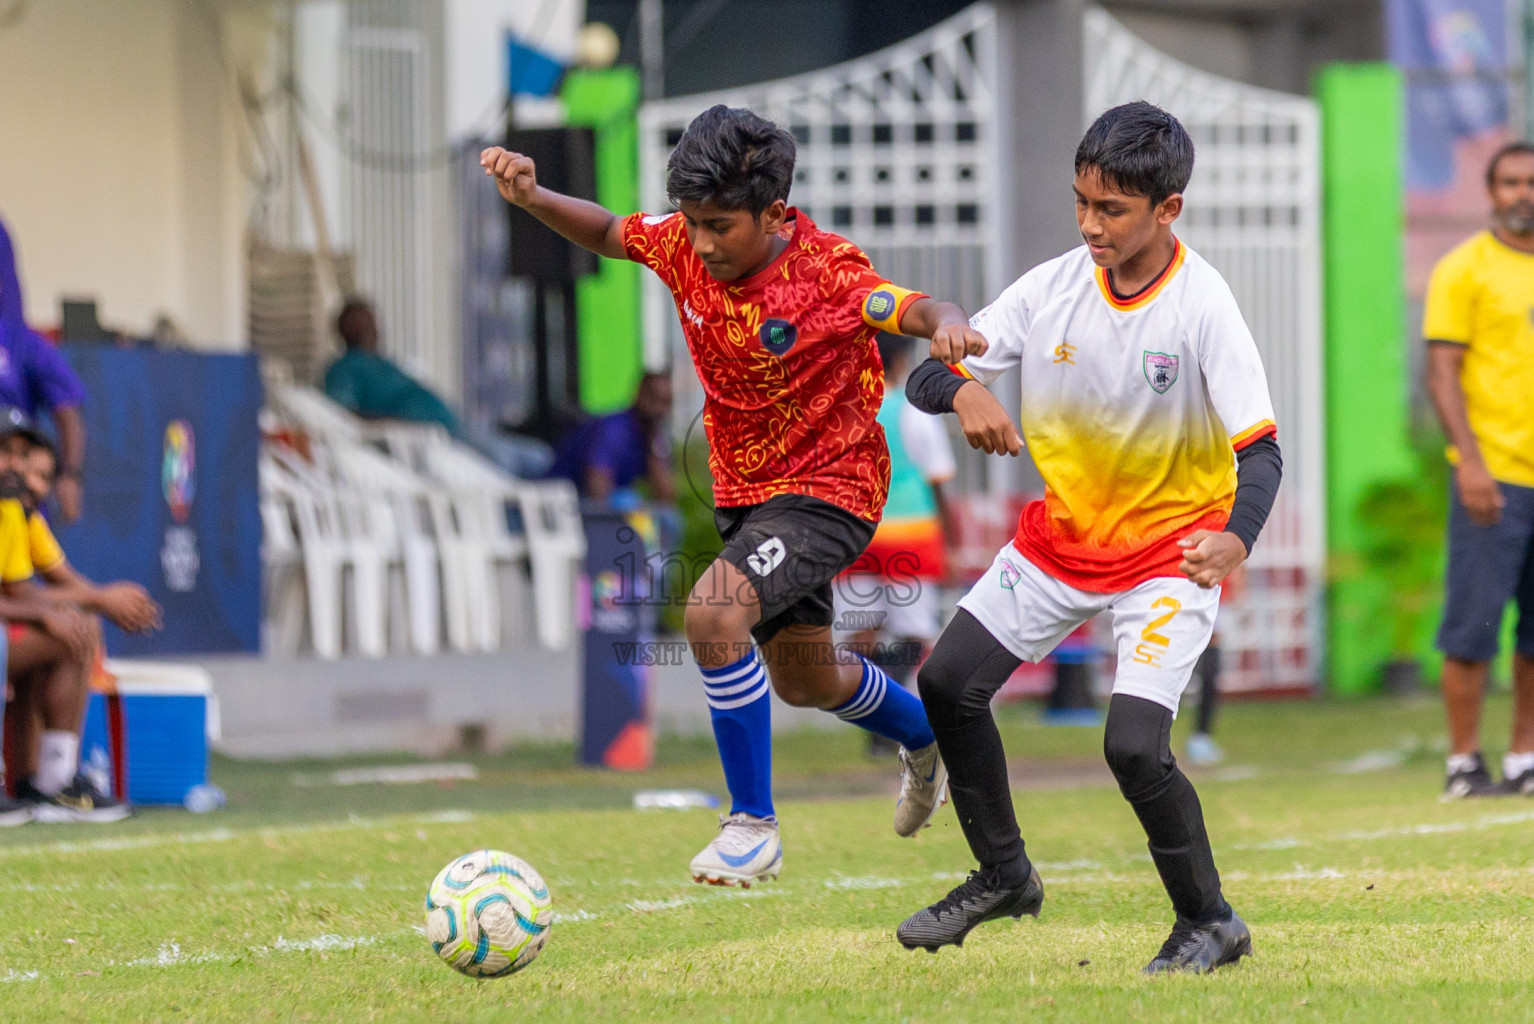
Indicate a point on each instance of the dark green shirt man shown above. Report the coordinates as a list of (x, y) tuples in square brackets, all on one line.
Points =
[(373, 387)]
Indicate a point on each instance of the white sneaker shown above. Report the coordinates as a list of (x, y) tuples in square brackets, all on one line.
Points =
[(1203, 750), (923, 789), (746, 850)]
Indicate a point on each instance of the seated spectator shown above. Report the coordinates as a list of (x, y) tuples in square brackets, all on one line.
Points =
[(48, 644), (372, 386), (606, 456), (45, 733)]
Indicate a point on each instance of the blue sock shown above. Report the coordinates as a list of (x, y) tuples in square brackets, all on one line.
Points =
[(741, 709), (887, 708)]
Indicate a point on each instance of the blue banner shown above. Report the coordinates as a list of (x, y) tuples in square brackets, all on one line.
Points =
[(1455, 56), (618, 618), (171, 493)]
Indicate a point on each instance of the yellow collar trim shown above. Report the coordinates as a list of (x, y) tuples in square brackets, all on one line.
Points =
[(1150, 291)]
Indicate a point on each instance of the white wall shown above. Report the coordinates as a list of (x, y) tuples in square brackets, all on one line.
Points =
[(476, 56), (119, 175)]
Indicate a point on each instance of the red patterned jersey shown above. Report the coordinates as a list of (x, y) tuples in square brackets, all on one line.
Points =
[(791, 375)]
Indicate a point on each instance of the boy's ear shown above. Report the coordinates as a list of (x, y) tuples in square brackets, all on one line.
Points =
[(1169, 209), (774, 217)]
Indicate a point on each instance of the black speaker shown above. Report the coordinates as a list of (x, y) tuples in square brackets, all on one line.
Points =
[(566, 160)]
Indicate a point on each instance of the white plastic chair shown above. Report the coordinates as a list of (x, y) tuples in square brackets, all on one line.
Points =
[(400, 510), (282, 567), (325, 553)]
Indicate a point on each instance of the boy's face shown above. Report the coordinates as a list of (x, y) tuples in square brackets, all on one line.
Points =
[(1118, 226), (731, 243), (38, 477)]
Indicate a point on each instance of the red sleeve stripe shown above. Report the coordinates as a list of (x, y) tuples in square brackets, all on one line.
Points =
[(905, 304), (1267, 428)]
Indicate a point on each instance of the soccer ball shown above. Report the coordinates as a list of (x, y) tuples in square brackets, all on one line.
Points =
[(488, 914)]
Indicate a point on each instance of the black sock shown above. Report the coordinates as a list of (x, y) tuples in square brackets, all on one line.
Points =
[(1137, 743), (966, 668)]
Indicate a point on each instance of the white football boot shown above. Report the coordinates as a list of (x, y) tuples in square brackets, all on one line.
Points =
[(923, 789), (746, 850)]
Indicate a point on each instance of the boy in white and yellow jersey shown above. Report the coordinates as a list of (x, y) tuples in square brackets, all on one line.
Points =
[(1146, 410)]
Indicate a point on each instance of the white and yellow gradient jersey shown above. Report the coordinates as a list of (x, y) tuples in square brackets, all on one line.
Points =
[(1132, 409)]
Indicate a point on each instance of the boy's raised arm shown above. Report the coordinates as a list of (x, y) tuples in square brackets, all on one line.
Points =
[(586, 224)]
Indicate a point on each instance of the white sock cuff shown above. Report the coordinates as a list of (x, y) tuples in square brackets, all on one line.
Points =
[(58, 758), (1460, 762), (1514, 765)]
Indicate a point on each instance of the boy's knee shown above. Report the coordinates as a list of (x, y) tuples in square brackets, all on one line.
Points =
[(1137, 744), (1133, 756), (941, 688), (713, 623)]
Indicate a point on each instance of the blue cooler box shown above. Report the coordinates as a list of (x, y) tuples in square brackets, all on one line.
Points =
[(169, 717)]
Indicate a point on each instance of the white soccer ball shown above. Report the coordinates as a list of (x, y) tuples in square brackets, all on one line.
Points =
[(488, 914)]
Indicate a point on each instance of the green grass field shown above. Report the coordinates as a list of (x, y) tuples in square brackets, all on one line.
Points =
[(1368, 899)]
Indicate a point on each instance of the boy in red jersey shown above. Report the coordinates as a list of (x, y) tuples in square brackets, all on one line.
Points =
[(780, 319)]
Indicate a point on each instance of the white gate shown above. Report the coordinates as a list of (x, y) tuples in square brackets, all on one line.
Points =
[(895, 151), (1253, 211), (388, 120), (898, 150)]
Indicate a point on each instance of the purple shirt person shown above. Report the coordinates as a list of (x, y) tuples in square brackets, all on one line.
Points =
[(614, 452), (35, 377)]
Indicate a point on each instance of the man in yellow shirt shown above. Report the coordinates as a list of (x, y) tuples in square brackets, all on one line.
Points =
[(1479, 327), (45, 639), (46, 734)]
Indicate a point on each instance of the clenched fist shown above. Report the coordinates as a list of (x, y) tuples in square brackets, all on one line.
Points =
[(515, 175)]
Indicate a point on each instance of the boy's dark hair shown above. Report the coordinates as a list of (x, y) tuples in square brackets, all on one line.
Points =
[(1138, 149), (893, 347), (1511, 149), (733, 157)]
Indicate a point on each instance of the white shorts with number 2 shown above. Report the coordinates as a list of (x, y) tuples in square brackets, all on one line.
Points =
[(1159, 627)]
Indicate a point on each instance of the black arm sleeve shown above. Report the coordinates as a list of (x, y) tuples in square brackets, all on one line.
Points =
[(932, 385), (1259, 467)]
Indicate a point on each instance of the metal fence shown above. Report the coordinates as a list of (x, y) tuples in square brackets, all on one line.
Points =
[(388, 122)]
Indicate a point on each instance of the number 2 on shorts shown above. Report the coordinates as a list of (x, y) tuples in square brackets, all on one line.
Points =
[(1145, 652)]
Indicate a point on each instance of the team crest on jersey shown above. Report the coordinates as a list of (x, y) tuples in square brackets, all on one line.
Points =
[(1011, 575), (1160, 371), (778, 336)]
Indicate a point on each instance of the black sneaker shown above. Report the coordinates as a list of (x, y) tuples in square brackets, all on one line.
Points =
[(1520, 785), (978, 900), (78, 801), (1200, 948), (1472, 781), (12, 811)]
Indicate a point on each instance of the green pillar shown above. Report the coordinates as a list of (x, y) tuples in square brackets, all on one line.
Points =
[(1368, 420), (607, 303)]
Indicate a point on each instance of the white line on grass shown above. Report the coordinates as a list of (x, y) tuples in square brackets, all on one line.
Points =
[(224, 835), (1486, 821), (170, 954)]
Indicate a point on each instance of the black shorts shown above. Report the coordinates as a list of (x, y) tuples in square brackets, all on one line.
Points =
[(791, 547), (1489, 566)]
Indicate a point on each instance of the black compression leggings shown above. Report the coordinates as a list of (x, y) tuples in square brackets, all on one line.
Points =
[(966, 668)]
